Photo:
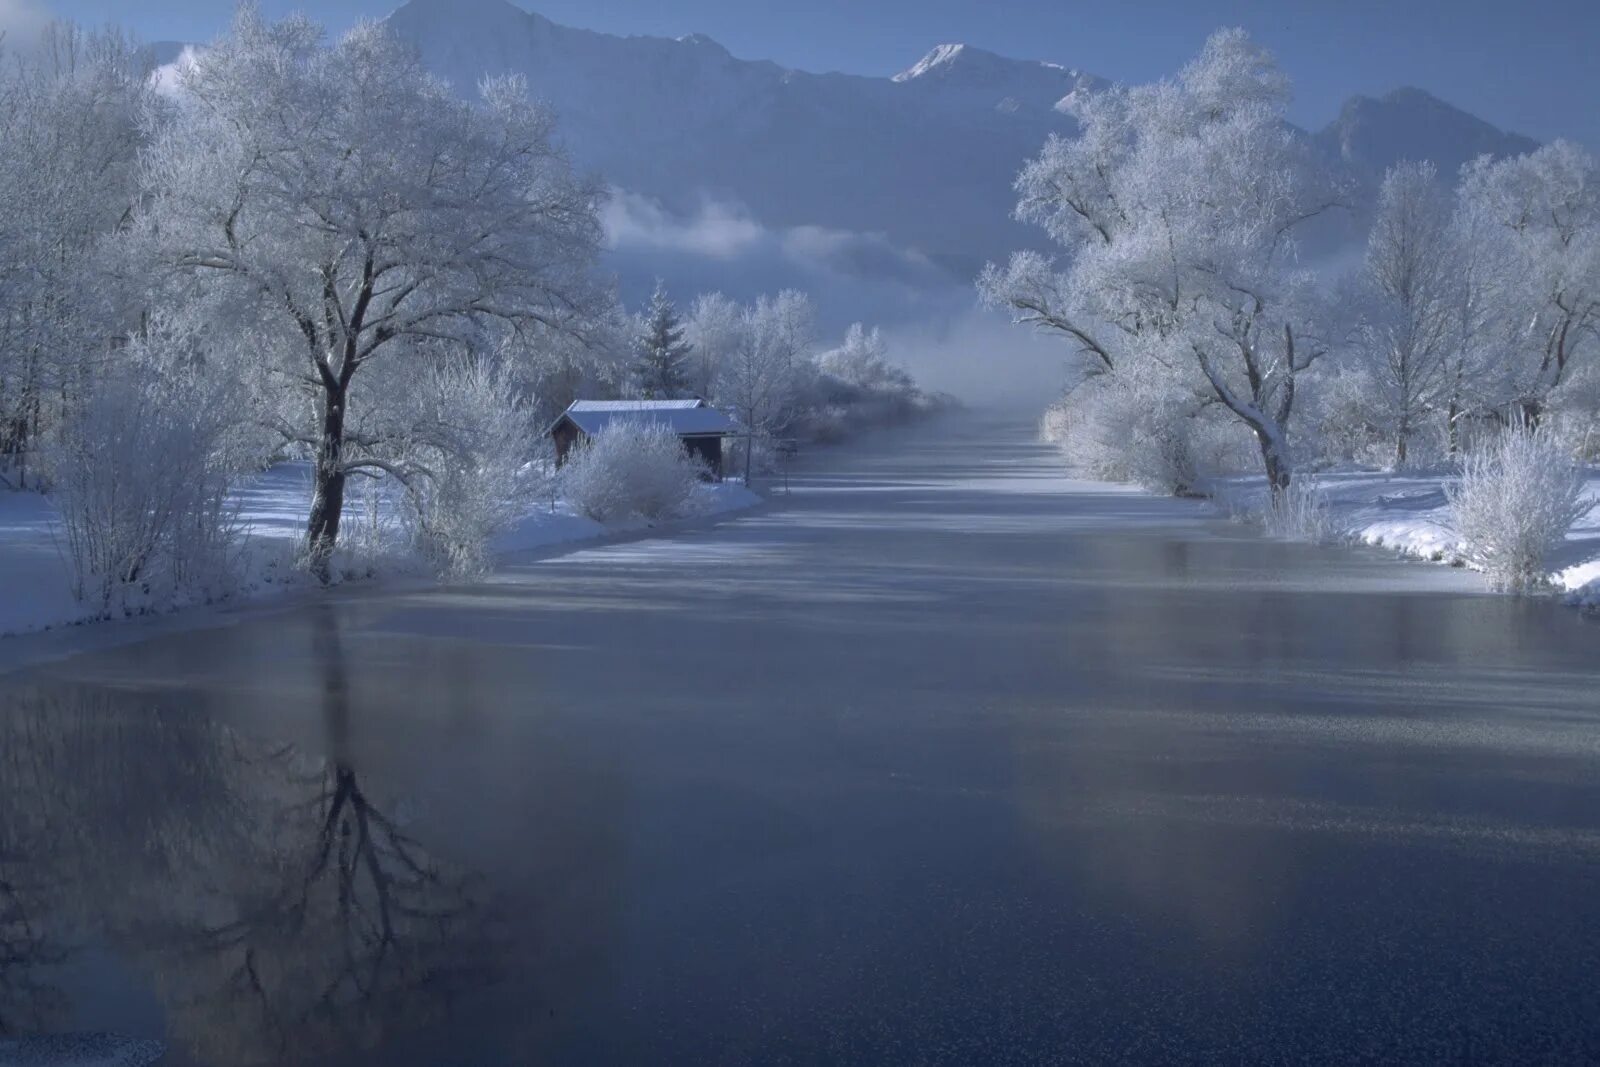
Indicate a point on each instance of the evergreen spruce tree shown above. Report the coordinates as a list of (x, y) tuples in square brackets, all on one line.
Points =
[(661, 368)]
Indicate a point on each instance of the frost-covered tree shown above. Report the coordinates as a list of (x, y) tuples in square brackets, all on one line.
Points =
[(661, 363), (862, 361), (1407, 331), (357, 208), (1538, 220), (762, 377), (1476, 359), (713, 330), (72, 115), (1177, 204)]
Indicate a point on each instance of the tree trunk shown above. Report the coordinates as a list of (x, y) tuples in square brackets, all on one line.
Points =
[(1453, 427), (1400, 451), (1275, 462), (749, 440), (328, 481)]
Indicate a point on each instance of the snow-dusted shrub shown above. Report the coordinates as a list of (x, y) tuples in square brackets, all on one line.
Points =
[(142, 473), (1517, 498), (1586, 598), (471, 464), (1055, 423), (1126, 429), (631, 469)]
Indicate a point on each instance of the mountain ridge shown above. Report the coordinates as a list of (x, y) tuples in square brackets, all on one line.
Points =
[(748, 175)]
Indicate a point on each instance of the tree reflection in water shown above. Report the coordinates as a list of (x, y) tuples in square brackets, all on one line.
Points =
[(27, 1002), (278, 905)]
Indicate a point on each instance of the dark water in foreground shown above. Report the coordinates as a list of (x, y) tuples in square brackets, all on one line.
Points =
[(938, 762)]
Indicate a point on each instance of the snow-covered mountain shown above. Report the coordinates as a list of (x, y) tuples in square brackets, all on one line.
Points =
[(925, 158), (743, 174)]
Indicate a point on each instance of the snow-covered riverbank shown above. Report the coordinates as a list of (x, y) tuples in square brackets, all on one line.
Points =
[(36, 578), (1409, 513)]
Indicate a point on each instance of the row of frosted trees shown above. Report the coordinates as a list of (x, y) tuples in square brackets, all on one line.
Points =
[(285, 247), (1205, 341)]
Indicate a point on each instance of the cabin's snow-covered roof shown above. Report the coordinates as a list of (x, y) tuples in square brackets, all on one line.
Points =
[(636, 405), (686, 418)]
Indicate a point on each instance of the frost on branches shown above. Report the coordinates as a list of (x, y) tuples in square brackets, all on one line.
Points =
[(1177, 206), (631, 470), (350, 208), (1517, 498)]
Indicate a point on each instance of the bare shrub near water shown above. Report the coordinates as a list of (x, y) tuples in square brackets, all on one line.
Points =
[(1518, 496)]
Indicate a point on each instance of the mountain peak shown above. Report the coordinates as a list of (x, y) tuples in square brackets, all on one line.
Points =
[(1009, 85), (944, 60), (940, 55), (700, 40), (440, 13)]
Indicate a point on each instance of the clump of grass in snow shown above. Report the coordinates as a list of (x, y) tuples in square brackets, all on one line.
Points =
[(1299, 513)]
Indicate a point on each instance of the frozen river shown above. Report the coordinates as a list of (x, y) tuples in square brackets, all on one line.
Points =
[(942, 758)]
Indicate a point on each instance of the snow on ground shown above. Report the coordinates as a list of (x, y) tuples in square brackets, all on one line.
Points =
[(1409, 513), (36, 579)]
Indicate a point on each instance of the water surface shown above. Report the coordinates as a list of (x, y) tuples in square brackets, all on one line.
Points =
[(941, 759)]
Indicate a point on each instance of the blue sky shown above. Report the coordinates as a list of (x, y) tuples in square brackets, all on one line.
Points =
[(1527, 66)]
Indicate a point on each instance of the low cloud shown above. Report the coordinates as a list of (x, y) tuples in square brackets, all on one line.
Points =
[(930, 316), (720, 231), (728, 232)]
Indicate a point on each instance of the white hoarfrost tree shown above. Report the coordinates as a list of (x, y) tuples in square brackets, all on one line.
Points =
[(762, 376), (70, 133), (1410, 304), (1538, 218), (1177, 204), (660, 366), (713, 330), (863, 362), (1476, 382), (360, 208)]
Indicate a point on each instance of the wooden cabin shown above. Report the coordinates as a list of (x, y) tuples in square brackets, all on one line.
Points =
[(701, 427)]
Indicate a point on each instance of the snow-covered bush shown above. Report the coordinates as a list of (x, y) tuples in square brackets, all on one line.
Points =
[(1586, 598), (470, 462), (631, 469), (142, 473), (1124, 429), (1055, 423), (1517, 498)]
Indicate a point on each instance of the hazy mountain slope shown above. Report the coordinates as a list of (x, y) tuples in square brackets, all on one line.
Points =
[(763, 174), (1372, 134), (927, 158)]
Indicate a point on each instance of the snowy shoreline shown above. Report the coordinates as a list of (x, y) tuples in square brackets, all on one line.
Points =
[(1408, 513), (38, 607)]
